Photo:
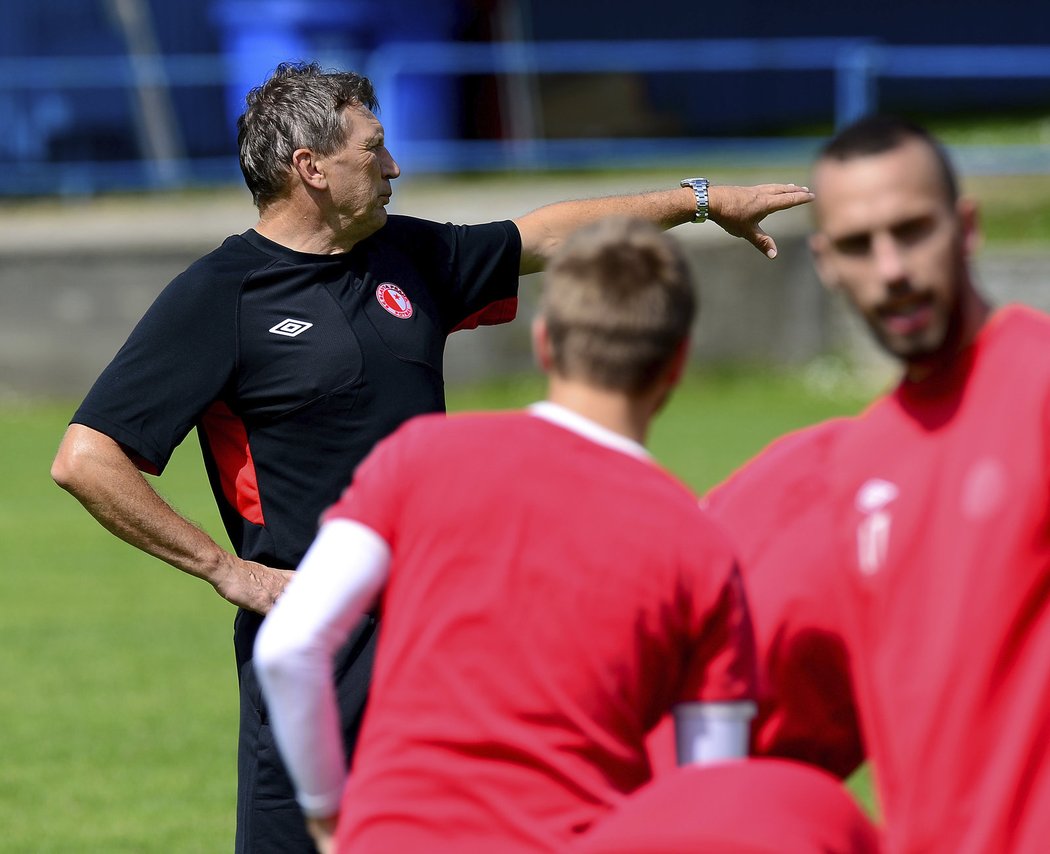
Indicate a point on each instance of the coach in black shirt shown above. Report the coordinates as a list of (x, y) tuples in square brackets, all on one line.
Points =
[(293, 348)]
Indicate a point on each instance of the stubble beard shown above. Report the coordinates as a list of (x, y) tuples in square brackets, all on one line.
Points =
[(934, 346)]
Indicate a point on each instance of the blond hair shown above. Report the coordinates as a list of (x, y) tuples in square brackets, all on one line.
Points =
[(618, 302)]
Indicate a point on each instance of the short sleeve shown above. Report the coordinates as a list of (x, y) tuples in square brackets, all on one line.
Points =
[(485, 263), (173, 366)]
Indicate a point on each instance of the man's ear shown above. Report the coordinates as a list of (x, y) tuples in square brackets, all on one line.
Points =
[(310, 172), (541, 344), (819, 249)]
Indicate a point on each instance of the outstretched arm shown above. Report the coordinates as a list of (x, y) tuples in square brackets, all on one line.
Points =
[(738, 210), (95, 469)]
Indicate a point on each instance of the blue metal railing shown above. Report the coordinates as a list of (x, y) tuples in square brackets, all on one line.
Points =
[(391, 63), (864, 65), (855, 68)]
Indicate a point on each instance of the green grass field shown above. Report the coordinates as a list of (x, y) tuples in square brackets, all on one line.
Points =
[(118, 698)]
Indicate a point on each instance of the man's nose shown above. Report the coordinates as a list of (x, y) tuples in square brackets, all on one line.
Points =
[(889, 258)]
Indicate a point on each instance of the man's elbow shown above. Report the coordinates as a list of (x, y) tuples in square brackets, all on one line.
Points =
[(538, 244), (75, 464), (65, 467)]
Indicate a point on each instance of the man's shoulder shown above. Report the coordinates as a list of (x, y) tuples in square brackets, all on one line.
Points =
[(400, 228), (791, 461), (1012, 363), (398, 222), (207, 288), (234, 259), (1012, 354), (1020, 326)]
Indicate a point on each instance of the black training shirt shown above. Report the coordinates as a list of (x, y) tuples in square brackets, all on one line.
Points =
[(293, 365)]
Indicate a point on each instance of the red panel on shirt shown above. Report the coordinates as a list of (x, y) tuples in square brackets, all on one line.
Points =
[(501, 311), (228, 441)]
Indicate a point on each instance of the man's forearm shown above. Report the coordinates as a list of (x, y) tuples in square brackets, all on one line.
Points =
[(544, 229), (738, 210), (94, 469)]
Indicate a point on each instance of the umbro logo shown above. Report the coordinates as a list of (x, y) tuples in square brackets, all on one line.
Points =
[(290, 328)]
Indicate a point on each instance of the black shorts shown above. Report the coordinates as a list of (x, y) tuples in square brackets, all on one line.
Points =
[(269, 820)]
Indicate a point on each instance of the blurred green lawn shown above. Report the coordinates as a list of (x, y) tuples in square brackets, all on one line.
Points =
[(118, 698)]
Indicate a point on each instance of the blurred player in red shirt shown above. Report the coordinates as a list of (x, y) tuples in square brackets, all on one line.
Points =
[(548, 593), (776, 512), (941, 505)]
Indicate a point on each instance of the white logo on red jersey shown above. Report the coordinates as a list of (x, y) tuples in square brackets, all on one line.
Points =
[(873, 532), (290, 327), (394, 300)]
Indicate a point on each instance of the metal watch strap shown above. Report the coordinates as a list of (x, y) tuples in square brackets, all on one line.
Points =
[(699, 186)]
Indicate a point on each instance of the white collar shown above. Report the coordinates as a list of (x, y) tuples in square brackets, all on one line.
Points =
[(570, 420)]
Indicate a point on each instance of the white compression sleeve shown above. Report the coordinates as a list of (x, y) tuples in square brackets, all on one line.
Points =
[(337, 581), (712, 732)]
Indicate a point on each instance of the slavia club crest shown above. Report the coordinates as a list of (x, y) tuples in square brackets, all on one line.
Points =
[(394, 300)]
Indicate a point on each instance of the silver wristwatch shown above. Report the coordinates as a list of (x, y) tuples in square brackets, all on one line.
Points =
[(699, 186)]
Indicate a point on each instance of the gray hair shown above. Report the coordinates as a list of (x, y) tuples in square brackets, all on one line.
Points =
[(299, 106)]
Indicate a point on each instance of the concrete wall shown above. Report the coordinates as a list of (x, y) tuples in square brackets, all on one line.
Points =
[(74, 280)]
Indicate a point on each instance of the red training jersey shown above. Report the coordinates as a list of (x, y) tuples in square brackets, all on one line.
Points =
[(944, 527), (777, 513), (549, 598)]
